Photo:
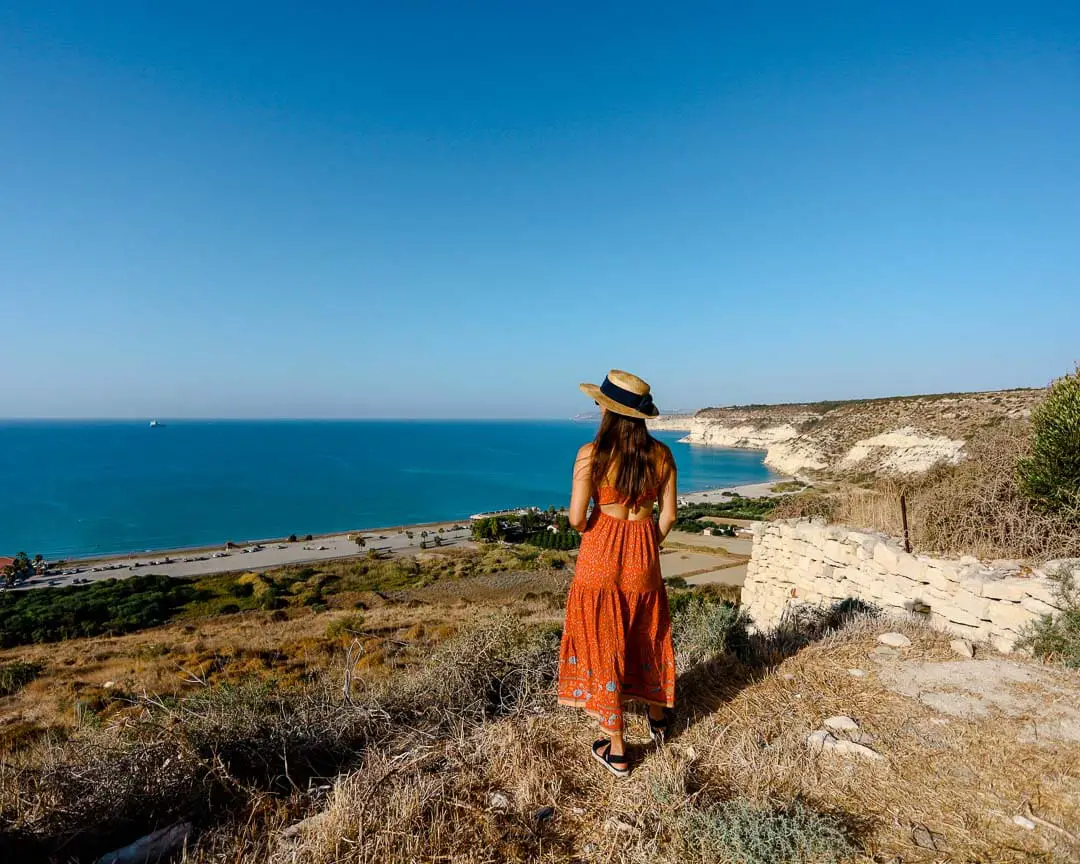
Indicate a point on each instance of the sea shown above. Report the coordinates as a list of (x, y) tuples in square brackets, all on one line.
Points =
[(71, 489)]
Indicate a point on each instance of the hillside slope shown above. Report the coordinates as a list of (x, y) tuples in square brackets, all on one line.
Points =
[(900, 435)]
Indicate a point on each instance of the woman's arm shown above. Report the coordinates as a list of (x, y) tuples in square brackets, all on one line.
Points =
[(669, 499), (582, 489)]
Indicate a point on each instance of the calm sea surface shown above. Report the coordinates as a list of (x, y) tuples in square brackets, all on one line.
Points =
[(92, 488)]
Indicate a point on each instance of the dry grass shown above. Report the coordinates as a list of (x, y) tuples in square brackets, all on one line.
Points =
[(974, 508), (458, 760)]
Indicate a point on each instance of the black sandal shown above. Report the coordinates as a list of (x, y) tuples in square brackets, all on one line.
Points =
[(617, 765), (658, 729)]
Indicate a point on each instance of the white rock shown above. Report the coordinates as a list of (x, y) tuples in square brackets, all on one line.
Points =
[(894, 640), (851, 748), (840, 723), (1024, 822), (824, 741), (963, 647), (856, 673), (499, 802), (818, 741)]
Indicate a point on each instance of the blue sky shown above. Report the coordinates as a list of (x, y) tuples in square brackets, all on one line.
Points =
[(464, 209)]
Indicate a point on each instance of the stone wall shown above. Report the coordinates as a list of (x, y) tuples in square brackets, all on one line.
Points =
[(798, 562)]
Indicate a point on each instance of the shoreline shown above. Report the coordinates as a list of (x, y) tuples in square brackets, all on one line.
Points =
[(266, 554)]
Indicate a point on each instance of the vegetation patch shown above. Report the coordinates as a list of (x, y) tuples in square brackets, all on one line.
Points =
[(1050, 473), (14, 676), (106, 608), (705, 625), (688, 516), (735, 832), (1057, 639)]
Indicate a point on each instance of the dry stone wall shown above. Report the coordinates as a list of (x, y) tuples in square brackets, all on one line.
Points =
[(800, 562)]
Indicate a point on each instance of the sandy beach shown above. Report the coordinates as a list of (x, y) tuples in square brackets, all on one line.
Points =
[(262, 555), (748, 490), (267, 554)]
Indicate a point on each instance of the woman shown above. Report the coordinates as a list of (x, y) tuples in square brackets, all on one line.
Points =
[(616, 644)]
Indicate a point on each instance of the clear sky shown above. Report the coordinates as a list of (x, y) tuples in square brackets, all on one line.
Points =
[(459, 209)]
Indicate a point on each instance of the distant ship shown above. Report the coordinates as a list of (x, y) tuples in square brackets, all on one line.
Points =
[(154, 424)]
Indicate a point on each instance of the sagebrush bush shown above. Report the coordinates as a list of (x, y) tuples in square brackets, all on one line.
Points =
[(703, 629), (738, 833), (1050, 474), (1057, 638)]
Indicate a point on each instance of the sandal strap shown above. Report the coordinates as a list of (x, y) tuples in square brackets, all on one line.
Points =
[(607, 755)]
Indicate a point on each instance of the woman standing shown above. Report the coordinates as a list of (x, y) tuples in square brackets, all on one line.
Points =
[(616, 644)]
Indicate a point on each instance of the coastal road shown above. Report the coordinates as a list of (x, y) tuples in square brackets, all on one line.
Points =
[(257, 556)]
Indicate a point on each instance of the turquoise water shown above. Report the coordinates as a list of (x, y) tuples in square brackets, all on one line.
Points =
[(92, 488)]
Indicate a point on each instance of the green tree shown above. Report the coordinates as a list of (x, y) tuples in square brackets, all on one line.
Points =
[(361, 542), (1050, 475)]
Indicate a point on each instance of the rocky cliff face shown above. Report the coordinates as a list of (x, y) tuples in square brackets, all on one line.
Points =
[(903, 435)]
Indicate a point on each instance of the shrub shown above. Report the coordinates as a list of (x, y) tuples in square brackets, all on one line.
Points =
[(1057, 638), (1050, 473), (292, 538), (241, 589), (704, 627), (15, 676), (346, 626), (737, 833)]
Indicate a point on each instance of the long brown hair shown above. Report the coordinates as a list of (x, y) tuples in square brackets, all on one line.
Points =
[(640, 460)]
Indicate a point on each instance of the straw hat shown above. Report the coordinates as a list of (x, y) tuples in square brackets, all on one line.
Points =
[(624, 394)]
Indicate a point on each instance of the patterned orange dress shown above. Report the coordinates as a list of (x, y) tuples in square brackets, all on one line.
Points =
[(616, 644)]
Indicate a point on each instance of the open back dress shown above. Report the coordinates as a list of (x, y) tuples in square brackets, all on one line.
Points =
[(616, 643)]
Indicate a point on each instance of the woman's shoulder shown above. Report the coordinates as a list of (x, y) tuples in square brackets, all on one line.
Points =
[(586, 451), (661, 452)]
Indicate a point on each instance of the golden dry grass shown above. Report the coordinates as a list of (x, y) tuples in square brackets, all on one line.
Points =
[(961, 780), (424, 747)]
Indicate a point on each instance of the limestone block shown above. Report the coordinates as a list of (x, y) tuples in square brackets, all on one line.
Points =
[(952, 571), (1004, 644), (958, 614), (1010, 616), (896, 600), (862, 579), (1013, 590), (875, 567), (935, 579), (1042, 589), (835, 532), (861, 540), (886, 556), (1037, 607), (911, 568), (837, 551), (973, 585)]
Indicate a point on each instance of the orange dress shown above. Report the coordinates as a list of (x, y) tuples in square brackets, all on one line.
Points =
[(616, 644)]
